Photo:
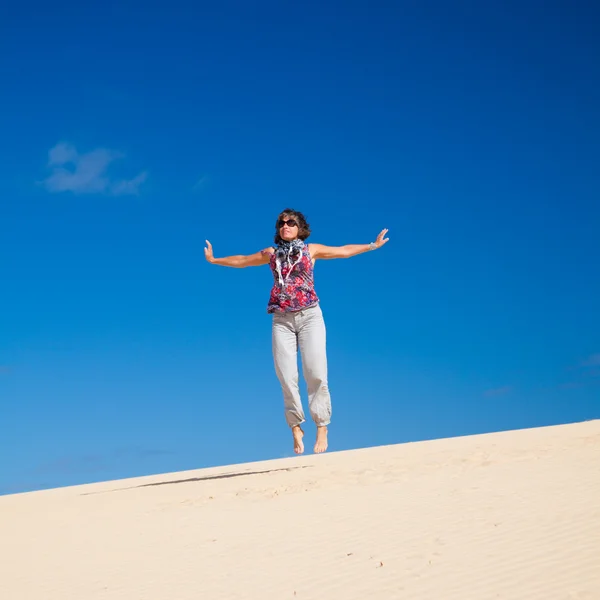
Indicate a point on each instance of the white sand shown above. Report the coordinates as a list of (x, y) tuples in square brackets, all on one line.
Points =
[(506, 515)]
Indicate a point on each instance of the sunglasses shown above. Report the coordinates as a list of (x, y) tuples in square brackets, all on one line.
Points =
[(289, 223)]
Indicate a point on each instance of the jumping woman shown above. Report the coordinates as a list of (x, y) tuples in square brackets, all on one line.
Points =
[(297, 317)]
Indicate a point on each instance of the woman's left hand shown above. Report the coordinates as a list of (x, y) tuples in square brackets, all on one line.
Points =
[(381, 239)]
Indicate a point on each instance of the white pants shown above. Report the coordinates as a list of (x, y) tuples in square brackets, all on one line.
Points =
[(304, 330)]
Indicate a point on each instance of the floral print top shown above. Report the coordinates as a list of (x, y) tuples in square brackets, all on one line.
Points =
[(292, 268)]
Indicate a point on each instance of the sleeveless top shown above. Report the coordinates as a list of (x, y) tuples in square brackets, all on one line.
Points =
[(292, 268)]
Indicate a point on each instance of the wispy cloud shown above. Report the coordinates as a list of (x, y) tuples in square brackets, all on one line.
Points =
[(51, 474), (584, 372), (15, 488), (499, 391), (88, 172), (72, 464), (200, 184), (129, 186), (138, 453), (571, 385), (592, 361), (590, 367), (95, 463)]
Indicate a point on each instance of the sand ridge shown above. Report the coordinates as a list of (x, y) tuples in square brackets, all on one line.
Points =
[(512, 515)]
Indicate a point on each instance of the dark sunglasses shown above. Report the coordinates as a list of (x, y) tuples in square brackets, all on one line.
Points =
[(289, 223)]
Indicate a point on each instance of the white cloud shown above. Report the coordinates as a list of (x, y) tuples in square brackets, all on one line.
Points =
[(87, 173)]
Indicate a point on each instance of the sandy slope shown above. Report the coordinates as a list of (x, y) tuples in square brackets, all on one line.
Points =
[(505, 515)]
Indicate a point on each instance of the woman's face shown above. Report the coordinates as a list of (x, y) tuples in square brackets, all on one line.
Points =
[(288, 228)]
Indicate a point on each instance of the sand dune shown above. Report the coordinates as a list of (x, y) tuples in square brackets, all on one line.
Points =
[(511, 515)]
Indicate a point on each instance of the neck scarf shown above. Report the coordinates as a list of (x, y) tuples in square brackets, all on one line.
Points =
[(283, 256)]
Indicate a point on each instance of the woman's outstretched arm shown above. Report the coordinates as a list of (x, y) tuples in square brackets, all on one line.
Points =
[(238, 261), (321, 251)]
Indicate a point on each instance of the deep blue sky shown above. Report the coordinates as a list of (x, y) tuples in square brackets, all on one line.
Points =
[(131, 132)]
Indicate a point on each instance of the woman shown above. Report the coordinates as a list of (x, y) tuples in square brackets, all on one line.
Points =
[(297, 317)]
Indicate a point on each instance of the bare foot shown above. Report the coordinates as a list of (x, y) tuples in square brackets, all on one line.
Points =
[(298, 435), (321, 443)]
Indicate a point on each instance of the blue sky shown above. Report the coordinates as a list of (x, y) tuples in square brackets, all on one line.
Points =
[(131, 133)]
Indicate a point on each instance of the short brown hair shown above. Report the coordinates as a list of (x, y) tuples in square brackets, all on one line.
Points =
[(303, 226)]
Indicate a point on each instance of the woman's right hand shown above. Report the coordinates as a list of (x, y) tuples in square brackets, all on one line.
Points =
[(208, 252)]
